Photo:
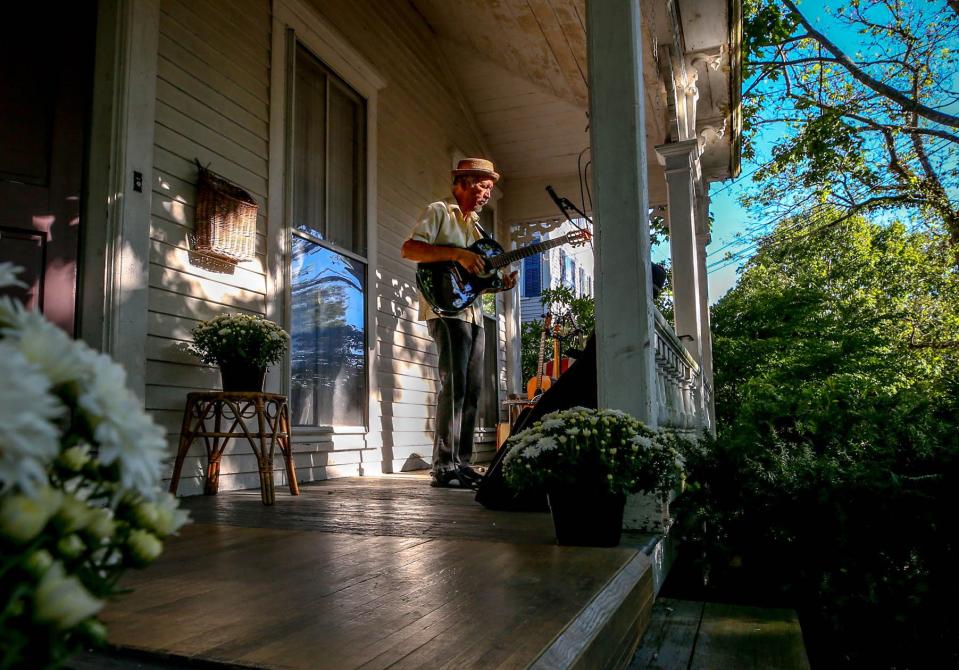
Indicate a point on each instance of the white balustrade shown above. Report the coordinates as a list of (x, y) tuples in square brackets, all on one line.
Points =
[(682, 396)]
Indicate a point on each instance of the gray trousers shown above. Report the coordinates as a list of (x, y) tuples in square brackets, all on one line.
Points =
[(460, 346)]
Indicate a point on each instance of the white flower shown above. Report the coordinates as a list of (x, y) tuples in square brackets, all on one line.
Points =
[(22, 517), (73, 514), (8, 275), (170, 518), (71, 546), (74, 458), (546, 444), (62, 600), (38, 562), (144, 546), (29, 440), (553, 424), (101, 525), (46, 346), (122, 430)]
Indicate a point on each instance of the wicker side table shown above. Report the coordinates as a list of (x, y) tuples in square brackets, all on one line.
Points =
[(262, 418)]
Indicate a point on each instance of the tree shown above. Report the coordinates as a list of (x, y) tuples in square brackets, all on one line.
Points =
[(858, 131), (836, 361)]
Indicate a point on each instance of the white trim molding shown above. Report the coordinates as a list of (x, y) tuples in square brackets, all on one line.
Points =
[(116, 242)]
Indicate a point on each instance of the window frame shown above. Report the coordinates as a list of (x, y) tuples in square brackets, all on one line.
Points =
[(295, 22)]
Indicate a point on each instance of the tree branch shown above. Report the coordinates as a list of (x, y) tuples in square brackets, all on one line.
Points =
[(870, 82)]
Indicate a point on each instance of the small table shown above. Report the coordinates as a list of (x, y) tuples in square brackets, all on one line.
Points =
[(514, 407), (272, 427)]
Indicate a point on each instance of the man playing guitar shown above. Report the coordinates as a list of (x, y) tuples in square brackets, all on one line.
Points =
[(443, 232)]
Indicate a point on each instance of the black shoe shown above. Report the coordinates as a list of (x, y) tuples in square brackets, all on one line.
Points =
[(449, 479), (470, 475)]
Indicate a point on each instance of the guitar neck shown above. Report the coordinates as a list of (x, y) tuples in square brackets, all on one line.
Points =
[(540, 368), (504, 259)]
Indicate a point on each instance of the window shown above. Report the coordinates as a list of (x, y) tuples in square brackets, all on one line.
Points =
[(328, 263), (533, 273), (582, 282), (532, 276), (562, 267)]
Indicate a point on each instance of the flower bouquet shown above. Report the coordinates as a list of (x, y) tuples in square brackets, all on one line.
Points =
[(587, 461), (80, 497), (242, 345)]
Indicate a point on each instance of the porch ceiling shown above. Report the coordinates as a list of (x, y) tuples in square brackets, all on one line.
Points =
[(521, 66)]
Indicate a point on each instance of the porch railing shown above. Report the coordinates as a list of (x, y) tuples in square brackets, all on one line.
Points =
[(681, 394)]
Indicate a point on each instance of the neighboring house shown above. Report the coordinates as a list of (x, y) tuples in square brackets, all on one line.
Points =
[(571, 267), (343, 118)]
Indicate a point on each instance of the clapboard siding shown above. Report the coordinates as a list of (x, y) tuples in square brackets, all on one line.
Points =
[(213, 73)]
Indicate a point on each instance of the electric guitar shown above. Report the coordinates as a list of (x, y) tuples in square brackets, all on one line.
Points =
[(539, 382), (450, 289)]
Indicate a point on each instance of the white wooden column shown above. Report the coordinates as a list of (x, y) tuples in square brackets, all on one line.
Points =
[(702, 240), (624, 317), (681, 173)]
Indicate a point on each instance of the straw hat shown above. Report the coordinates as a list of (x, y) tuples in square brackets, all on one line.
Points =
[(479, 167)]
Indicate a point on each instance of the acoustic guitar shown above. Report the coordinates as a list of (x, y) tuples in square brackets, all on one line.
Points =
[(539, 382), (449, 289)]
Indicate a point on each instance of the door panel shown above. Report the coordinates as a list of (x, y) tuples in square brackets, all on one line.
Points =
[(46, 65)]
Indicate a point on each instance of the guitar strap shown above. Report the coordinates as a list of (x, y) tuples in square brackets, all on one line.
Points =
[(483, 233)]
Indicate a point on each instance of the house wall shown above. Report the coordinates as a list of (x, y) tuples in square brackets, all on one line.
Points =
[(213, 104)]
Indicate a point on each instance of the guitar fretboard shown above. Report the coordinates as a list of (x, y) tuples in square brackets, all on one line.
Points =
[(504, 259)]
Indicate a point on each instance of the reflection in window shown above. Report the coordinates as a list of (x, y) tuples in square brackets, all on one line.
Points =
[(328, 331)]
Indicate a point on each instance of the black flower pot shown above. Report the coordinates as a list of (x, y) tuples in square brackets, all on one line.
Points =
[(240, 377), (586, 516)]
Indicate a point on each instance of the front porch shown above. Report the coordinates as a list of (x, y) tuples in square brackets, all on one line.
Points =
[(379, 572)]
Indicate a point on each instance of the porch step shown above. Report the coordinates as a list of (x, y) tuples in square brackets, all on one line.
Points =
[(684, 634), (606, 632)]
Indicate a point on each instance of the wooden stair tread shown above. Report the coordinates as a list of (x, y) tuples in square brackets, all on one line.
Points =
[(694, 635)]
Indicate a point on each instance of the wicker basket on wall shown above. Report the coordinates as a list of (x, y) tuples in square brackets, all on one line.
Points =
[(225, 221)]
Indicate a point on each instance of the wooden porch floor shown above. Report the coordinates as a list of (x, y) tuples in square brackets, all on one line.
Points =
[(379, 572)]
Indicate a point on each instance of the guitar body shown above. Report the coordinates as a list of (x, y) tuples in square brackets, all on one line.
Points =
[(534, 382), (450, 289)]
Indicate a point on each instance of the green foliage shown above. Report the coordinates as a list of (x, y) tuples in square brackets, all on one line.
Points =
[(830, 479)]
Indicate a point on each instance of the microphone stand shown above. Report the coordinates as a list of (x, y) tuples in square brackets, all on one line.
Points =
[(565, 206)]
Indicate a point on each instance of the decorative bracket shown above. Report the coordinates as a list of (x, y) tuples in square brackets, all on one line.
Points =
[(523, 233)]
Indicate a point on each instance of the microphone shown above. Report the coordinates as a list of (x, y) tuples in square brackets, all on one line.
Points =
[(560, 202)]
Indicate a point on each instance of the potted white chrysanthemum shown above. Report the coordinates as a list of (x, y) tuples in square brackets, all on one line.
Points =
[(80, 496), (242, 345), (586, 461)]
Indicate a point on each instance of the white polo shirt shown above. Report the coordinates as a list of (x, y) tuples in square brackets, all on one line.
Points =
[(443, 223)]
